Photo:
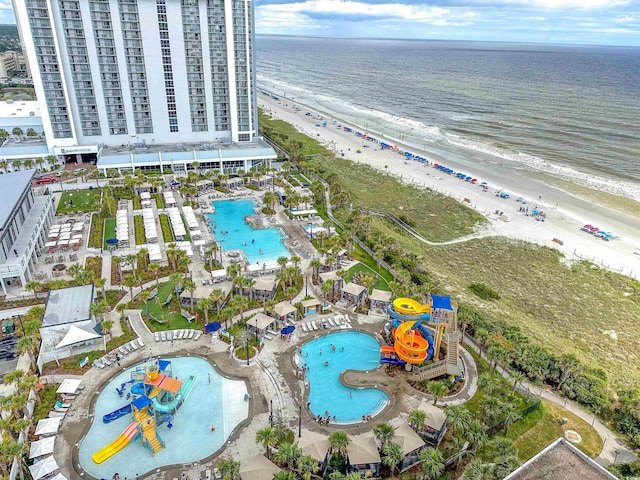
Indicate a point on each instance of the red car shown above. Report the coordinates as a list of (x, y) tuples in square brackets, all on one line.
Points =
[(42, 180)]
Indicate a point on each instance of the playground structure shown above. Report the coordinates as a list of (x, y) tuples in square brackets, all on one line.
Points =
[(413, 343), (157, 396)]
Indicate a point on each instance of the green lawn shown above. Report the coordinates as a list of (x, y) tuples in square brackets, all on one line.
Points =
[(176, 321), (79, 201), (138, 224), (381, 284), (165, 226), (187, 236), (302, 180), (109, 231)]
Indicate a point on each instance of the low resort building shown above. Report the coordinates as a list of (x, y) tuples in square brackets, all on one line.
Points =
[(354, 294)]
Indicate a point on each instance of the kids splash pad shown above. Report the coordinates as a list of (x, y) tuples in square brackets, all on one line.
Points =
[(160, 413)]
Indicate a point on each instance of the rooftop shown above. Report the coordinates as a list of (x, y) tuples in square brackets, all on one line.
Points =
[(12, 186), (22, 108), (68, 305), (561, 461)]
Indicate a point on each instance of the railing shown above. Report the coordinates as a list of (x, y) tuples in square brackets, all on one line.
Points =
[(434, 370)]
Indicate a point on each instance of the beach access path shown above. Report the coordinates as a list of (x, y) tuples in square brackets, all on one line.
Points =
[(566, 213)]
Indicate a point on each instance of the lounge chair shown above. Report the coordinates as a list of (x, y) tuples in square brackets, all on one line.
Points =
[(207, 475), (185, 334), (54, 414), (313, 324), (61, 409), (303, 327), (98, 364), (59, 404), (217, 473), (163, 335), (197, 335), (156, 335), (190, 334), (123, 350), (330, 320), (133, 345), (140, 343)]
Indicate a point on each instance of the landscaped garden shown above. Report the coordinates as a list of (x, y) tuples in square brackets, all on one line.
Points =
[(168, 314), (360, 270), (79, 201)]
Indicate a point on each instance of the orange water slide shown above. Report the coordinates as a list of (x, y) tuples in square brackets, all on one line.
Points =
[(409, 345), (387, 350)]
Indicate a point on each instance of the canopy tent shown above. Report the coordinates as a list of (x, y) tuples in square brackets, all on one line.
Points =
[(314, 444), (408, 440), (42, 447), (284, 308), (69, 385), (362, 450), (442, 303), (435, 416), (259, 468), (261, 321), (76, 335), (47, 426), (43, 468)]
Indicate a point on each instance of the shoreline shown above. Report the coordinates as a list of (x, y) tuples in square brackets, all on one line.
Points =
[(566, 212)]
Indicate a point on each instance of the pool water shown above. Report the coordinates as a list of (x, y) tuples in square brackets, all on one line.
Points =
[(353, 350), (220, 403), (259, 246)]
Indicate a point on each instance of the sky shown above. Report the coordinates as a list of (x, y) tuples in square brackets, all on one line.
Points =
[(600, 22)]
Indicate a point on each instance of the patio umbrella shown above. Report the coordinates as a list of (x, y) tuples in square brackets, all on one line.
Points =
[(287, 330), (69, 385), (43, 467), (48, 426), (42, 447), (212, 327)]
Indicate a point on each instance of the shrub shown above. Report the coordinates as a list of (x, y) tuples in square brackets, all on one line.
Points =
[(484, 292)]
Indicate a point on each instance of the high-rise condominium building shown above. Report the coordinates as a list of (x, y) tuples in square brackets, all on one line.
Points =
[(142, 72)]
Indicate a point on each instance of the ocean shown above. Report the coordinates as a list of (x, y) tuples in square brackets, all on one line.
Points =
[(569, 111)]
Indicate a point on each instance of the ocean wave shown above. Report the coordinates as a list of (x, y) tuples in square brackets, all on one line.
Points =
[(415, 134)]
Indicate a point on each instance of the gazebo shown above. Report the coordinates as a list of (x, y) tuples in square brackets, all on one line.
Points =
[(259, 468), (284, 310), (265, 288), (435, 425), (410, 443), (354, 293), (315, 445), (311, 306), (259, 323), (363, 456), (379, 299), (235, 182)]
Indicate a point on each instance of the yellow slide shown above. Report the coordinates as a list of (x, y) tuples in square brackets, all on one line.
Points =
[(407, 306), (409, 345), (118, 444)]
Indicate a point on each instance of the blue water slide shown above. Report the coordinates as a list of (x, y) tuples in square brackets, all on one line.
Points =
[(174, 404), (121, 412), (138, 389), (426, 334), (393, 361)]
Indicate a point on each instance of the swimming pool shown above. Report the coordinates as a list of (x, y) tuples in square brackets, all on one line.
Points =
[(353, 350), (259, 246), (219, 402)]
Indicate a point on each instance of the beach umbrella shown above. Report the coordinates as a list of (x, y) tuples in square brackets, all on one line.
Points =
[(43, 468), (42, 447), (212, 327), (287, 330), (474, 180)]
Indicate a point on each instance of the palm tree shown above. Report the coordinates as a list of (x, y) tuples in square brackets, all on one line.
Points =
[(505, 465), (477, 470), (315, 264), (476, 434), (392, 456), (458, 418), (205, 304), (27, 345), (417, 419), (33, 286), (240, 303), (267, 438), (176, 279), (229, 469), (325, 288), (288, 453), (130, 281), (250, 283), (368, 281), (307, 466), (282, 261), (284, 475), (100, 283), (339, 441), (270, 199), (384, 433), (510, 416), (28, 163), (518, 378), (39, 162), (52, 160), (4, 165), (16, 164), (217, 295), (107, 325), (155, 268), (432, 463), (190, 286), (144, 296), (437, 390), (9, 451), (227, 313)]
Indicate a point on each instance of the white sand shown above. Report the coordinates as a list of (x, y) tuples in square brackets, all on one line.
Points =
[(566, 214)]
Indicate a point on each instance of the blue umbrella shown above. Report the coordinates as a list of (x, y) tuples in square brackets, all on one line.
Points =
[(112, 241), (212, 327), (175, 184), (287, 330)]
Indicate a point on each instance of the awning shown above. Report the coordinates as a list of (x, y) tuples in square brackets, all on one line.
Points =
[(443, 303), (261, 321), (47, 426), (141, 402), (362, 450), (76, 335), (259, 468), (314, 444), (69, 385), (42, 447), (43, 468), (310, 303)]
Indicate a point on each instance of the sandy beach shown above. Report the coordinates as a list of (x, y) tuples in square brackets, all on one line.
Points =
[(565, 213)]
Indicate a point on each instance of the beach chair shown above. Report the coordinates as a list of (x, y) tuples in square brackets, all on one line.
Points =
[(59, 404), (197, 335), (303, 327), (122, 350), (156, 335), (185, 334), (191, 334), (98, 364), (217, 473), (54, 414), (133, 345), (313, 324), (163, 335), (330, 320), (207, 475), (140, 343)]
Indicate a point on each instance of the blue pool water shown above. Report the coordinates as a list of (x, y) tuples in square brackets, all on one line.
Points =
[(326, 393), (220, 402), (229, 217)]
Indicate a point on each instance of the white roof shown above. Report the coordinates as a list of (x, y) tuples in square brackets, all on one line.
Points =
[(69, 385), (353, 288), (363, 449), (47, 426), (76, 335), (43, 468), (42, 447), (380, 295), (261, 320)]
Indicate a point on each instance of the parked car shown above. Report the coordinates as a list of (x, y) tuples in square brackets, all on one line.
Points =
[(42, 180)]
